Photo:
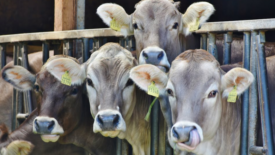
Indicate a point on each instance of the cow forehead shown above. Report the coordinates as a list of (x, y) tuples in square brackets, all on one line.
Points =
[(194, 76), (155, 9)]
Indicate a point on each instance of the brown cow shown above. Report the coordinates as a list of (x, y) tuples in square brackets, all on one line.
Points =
[(63, 114), (203, 121), (118, 106), (158, 27)]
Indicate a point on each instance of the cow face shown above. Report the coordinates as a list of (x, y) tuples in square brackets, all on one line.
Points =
[(157, 25), (58, 104), (110, 91), (197, 89)]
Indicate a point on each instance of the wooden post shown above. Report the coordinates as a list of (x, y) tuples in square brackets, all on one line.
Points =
[(64, 15)]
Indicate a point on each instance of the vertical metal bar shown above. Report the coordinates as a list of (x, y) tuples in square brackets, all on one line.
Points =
[(253, 93), (154, 129), (14, 101), (227, 48), (80, 14), (19, 95), (245, 97), (212, 45), (125, 147), (264, 87), (3, 55), (204, 41), (118, 147), (85, 49), (46, 51), (25, 63), (68, 47)]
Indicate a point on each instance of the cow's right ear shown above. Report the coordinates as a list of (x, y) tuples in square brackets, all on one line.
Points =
[(19, 77), (115, 17), (144, 75)]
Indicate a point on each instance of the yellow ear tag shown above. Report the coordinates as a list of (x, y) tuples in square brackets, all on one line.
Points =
[(115, 25), (195, 27), (232, 97), (153, 90), (66, 79)]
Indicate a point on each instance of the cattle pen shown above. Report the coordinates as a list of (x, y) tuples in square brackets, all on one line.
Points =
[(253, 60)]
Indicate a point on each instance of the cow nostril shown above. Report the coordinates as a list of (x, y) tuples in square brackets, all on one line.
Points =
[(99, 120), (36, 125), (116, 120), (175, 134), (160, 56), (51, 125), (145, 55)]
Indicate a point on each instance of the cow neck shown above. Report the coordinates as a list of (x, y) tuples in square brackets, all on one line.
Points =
[(138, 130), (227, 139), (83, 135)]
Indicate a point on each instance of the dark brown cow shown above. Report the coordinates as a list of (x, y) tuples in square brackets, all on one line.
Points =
[(158, 27), (63, 115), (118, 106), (203, 121)]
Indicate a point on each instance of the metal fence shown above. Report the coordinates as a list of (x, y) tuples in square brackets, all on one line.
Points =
[(92, 39)]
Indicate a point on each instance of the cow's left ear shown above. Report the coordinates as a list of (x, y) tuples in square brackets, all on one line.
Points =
[(144, 75), (115, 17), (239, 77), (195, 15), (19, 77), (58, 67)]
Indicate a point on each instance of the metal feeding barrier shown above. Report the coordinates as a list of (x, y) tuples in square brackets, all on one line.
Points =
[(92, 39)]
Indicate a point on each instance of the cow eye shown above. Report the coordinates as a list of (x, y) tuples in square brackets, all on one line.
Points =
[(212, 94), (129, 83), (36, 88), (170, 92), (90, 82), (175, 26), (74, 91), (135, 26)]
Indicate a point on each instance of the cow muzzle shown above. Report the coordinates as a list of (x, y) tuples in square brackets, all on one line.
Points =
[(155, 56), (48, 127), (109, 123), (186, 135)]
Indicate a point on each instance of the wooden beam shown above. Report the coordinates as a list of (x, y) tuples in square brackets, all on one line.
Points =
[(64, 15)]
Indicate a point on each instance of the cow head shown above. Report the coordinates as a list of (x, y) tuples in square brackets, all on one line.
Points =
[(110, 91), (157, 25), (197, 90), (58, 104)]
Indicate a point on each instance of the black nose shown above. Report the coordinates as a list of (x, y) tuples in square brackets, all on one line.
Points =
[(153, 57), (44, 127), (182, 134), (108, 122)]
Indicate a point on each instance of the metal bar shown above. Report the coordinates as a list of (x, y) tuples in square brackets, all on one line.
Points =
[(68, 47), (204, 41), (3, 55), (25, 63), (46, 51), (118, 146), (80, 14), (227, 48), (154, 129), (245, 97), (264, 87), (253, 93), (257, 150), (85, 49), (212, 45), (125, 147)]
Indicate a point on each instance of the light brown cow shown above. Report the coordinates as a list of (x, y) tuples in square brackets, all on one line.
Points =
[(118, 106), (158, 27), (203, 121)]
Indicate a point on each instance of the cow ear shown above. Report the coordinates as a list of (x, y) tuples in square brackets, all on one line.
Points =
[(58, 67), (144, 75), (195, 15), (115, 17), (239, 77), (18, 147), (19, 77)]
